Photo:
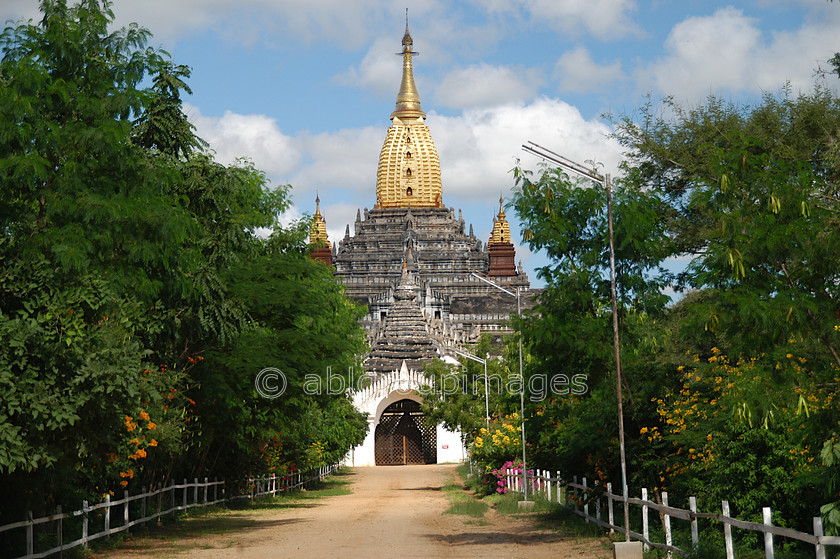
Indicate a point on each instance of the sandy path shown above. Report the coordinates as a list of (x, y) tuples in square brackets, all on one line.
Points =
[(393, 512)]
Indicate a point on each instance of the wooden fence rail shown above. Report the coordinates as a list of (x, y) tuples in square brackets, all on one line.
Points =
[(579, 496), (203, 494)]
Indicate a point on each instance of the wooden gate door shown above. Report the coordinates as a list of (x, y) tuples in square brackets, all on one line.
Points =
[(402, 437)]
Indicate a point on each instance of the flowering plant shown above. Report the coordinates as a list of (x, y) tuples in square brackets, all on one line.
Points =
[(492, 449)]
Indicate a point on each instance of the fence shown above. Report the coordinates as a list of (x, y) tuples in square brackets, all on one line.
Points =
[(174, 497), (579, 497)]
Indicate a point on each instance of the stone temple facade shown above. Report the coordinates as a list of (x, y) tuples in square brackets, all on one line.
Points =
[(412, 262)]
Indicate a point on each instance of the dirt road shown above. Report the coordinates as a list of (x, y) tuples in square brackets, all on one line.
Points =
[(393, 512)]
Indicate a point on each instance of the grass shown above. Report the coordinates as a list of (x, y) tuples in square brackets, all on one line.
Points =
[(463, 503), (187, 530), (545, 514)]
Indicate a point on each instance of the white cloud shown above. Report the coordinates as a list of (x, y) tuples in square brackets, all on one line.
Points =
[(727, 52), (482, 85), (478, 149), (603, 19), (379, 70), (578, 73), (347, 24), (19, 9), (341, 163), (338, 217), (256, 137)]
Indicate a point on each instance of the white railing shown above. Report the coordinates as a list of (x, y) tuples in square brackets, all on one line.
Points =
[(580, 498), (156, 502)]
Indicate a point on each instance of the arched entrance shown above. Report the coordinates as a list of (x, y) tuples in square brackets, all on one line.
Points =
[(402, 437)]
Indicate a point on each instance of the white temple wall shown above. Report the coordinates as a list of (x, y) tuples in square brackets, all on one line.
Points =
[(386, 390)]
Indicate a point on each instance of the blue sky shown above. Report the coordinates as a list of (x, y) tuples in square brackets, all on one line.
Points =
[(304, 88)]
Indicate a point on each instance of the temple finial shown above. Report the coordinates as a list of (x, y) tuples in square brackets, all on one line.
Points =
[(408, 100)]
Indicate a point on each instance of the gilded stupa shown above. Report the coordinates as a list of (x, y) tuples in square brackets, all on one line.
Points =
[(409, 168), (411, 260)]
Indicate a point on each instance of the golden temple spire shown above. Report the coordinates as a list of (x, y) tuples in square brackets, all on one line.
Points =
[(318, 229), (501, 228), (409, 168), (408, 100)]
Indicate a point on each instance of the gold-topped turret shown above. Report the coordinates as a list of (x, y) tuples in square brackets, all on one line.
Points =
[(501, 228), (318, 242), (318, 229), (409, 168)]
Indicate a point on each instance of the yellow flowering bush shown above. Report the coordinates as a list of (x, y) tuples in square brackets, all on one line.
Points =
[(726, 432), (494, 447)]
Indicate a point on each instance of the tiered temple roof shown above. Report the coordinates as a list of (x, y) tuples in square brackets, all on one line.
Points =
[(405, 336)]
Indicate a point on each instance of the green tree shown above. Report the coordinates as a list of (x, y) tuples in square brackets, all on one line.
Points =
[(301, 324), (123, 244), (457, 399), (754, 204), (569, 336), (88, 240)]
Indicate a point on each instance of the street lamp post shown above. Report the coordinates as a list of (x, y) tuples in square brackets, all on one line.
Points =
[(575, 167), (486, 385), (521, 378)]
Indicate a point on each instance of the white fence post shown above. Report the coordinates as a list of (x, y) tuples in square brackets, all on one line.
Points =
[(125, 508), (30, 536), (558, 486), (185, 492), (727, 532), (767, 516), (84, 524), (108, 514), (666, 522), (818, 532), (548, 485), (597, 503), (195, 492), (206, 488), (645, 526), (695, 531), (60, 533), (610, 513), (585, 501)]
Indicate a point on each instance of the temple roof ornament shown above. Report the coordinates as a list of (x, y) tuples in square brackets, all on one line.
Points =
[(318, 229), (408, 100), (501, 228), (409, 167)]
